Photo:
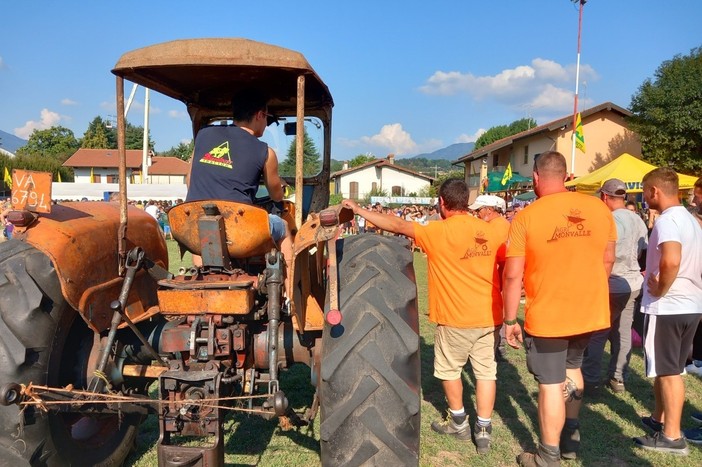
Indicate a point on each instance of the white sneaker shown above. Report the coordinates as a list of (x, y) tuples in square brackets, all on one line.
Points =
[(694, 369)]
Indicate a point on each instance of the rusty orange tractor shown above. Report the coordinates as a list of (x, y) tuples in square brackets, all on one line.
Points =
[(90, 316)]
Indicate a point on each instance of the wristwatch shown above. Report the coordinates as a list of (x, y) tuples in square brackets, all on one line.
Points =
[(510, 322)]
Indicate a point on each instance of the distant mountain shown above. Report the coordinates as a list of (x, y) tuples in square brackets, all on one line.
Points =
[(10, 142), (451, 153)]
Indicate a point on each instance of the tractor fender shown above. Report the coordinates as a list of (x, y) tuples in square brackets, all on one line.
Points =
[(81, 239)]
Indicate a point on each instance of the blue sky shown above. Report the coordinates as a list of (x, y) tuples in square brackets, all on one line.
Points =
[(407, 77)]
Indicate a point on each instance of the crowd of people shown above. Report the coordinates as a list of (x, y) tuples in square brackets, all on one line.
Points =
[(563, 250)]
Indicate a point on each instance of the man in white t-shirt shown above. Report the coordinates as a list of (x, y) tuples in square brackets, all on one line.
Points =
[(672, 302), (152, 209)]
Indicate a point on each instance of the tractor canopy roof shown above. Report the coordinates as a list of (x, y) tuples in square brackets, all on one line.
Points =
[(206, 73)]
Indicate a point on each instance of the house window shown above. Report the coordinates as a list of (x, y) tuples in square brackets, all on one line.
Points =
[(112, 179), (374, 187), (96, 178), (495, 160), (526, 154), (396, 191), (353, 188)]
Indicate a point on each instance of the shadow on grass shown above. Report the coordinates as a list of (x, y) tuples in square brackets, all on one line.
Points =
[(251, 434), (509, 388)]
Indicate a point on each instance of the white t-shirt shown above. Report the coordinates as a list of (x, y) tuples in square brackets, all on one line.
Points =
[(153, 210), (676, 224)]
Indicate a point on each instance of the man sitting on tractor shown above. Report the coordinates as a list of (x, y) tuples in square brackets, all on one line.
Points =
[(229, 160)]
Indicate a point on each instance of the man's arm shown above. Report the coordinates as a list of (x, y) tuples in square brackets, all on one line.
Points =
[(609, 257), (511, 294), (271, 178), (668, 267), (387, 222)]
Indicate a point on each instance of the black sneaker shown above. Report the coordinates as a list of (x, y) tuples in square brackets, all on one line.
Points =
[(653, 425), (696, 416), (448, 427), (483, 436), (616, 385), (659, 442), (694, 435), (570, 440)]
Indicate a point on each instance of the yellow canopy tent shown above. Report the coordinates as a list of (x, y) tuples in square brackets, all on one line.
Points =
[(628, 169)]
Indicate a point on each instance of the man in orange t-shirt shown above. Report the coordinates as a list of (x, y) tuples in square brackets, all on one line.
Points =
[(562, 245), (464, 302)]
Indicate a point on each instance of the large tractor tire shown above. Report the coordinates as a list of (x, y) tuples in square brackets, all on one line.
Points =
[(44, 341), (370, 381)]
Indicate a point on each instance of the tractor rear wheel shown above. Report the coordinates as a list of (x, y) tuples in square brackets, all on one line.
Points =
[(370, 381), (44, 341)]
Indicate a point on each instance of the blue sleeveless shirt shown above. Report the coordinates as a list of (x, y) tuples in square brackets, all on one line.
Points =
[(227, 164)]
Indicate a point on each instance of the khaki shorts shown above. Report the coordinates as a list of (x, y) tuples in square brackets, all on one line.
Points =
[(454, 346)]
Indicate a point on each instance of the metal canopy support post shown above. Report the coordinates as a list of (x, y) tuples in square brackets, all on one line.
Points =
[(121, 150), (299, 148), (145, 150)]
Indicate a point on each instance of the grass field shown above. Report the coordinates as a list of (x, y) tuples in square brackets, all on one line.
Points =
[(607, 423)]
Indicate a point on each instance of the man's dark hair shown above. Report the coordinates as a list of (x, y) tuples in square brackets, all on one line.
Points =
[(630, 203), (550, 164), (246, 103), (698, 183), (454, 192), (663, 178)]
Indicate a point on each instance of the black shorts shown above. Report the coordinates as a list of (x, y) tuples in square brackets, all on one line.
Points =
[(549, 357), (667, 342)]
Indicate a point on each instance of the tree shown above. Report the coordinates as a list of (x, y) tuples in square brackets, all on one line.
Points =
[(95, 137), (667, 114), (311, 160), (502, 131), (134, 137), (432, 191), (183, 151), (361, 159), (57, 142)]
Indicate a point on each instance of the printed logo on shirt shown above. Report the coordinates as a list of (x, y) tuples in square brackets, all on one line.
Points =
[(573, 227), (219, 156), (479, 248)]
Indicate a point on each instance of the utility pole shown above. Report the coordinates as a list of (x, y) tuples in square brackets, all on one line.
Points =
[(577, 79)]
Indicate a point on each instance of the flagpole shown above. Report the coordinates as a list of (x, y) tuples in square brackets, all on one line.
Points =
[(577, 82)]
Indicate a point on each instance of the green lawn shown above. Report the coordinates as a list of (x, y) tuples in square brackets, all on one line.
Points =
[(607, 423)]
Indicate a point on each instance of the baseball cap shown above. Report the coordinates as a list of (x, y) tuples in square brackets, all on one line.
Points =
[(488, 201), (613, 187)]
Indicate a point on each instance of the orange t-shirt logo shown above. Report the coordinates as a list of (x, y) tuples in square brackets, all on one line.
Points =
[(573, 227), (479, 248)]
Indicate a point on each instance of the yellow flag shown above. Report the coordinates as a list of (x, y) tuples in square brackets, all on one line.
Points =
[(508, 174), (8, 179), (579, 136), (58, 174), (92, 176)]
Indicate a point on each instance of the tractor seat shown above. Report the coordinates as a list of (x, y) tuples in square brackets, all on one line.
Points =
[(246, 227)]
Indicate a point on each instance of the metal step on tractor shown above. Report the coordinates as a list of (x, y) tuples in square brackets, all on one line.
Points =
[(90, 316)]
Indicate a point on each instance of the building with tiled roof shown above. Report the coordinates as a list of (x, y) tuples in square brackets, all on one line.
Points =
[(102, 166), (379, 175), (606, 134)]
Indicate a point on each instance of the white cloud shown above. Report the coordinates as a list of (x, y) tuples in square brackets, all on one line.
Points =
[(543, 84), (47, 120), (393, 138), (465, 138), (2, 64), (68, 101), (177, 114)]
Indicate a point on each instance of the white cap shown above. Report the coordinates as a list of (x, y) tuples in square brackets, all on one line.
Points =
[(488, 201)]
